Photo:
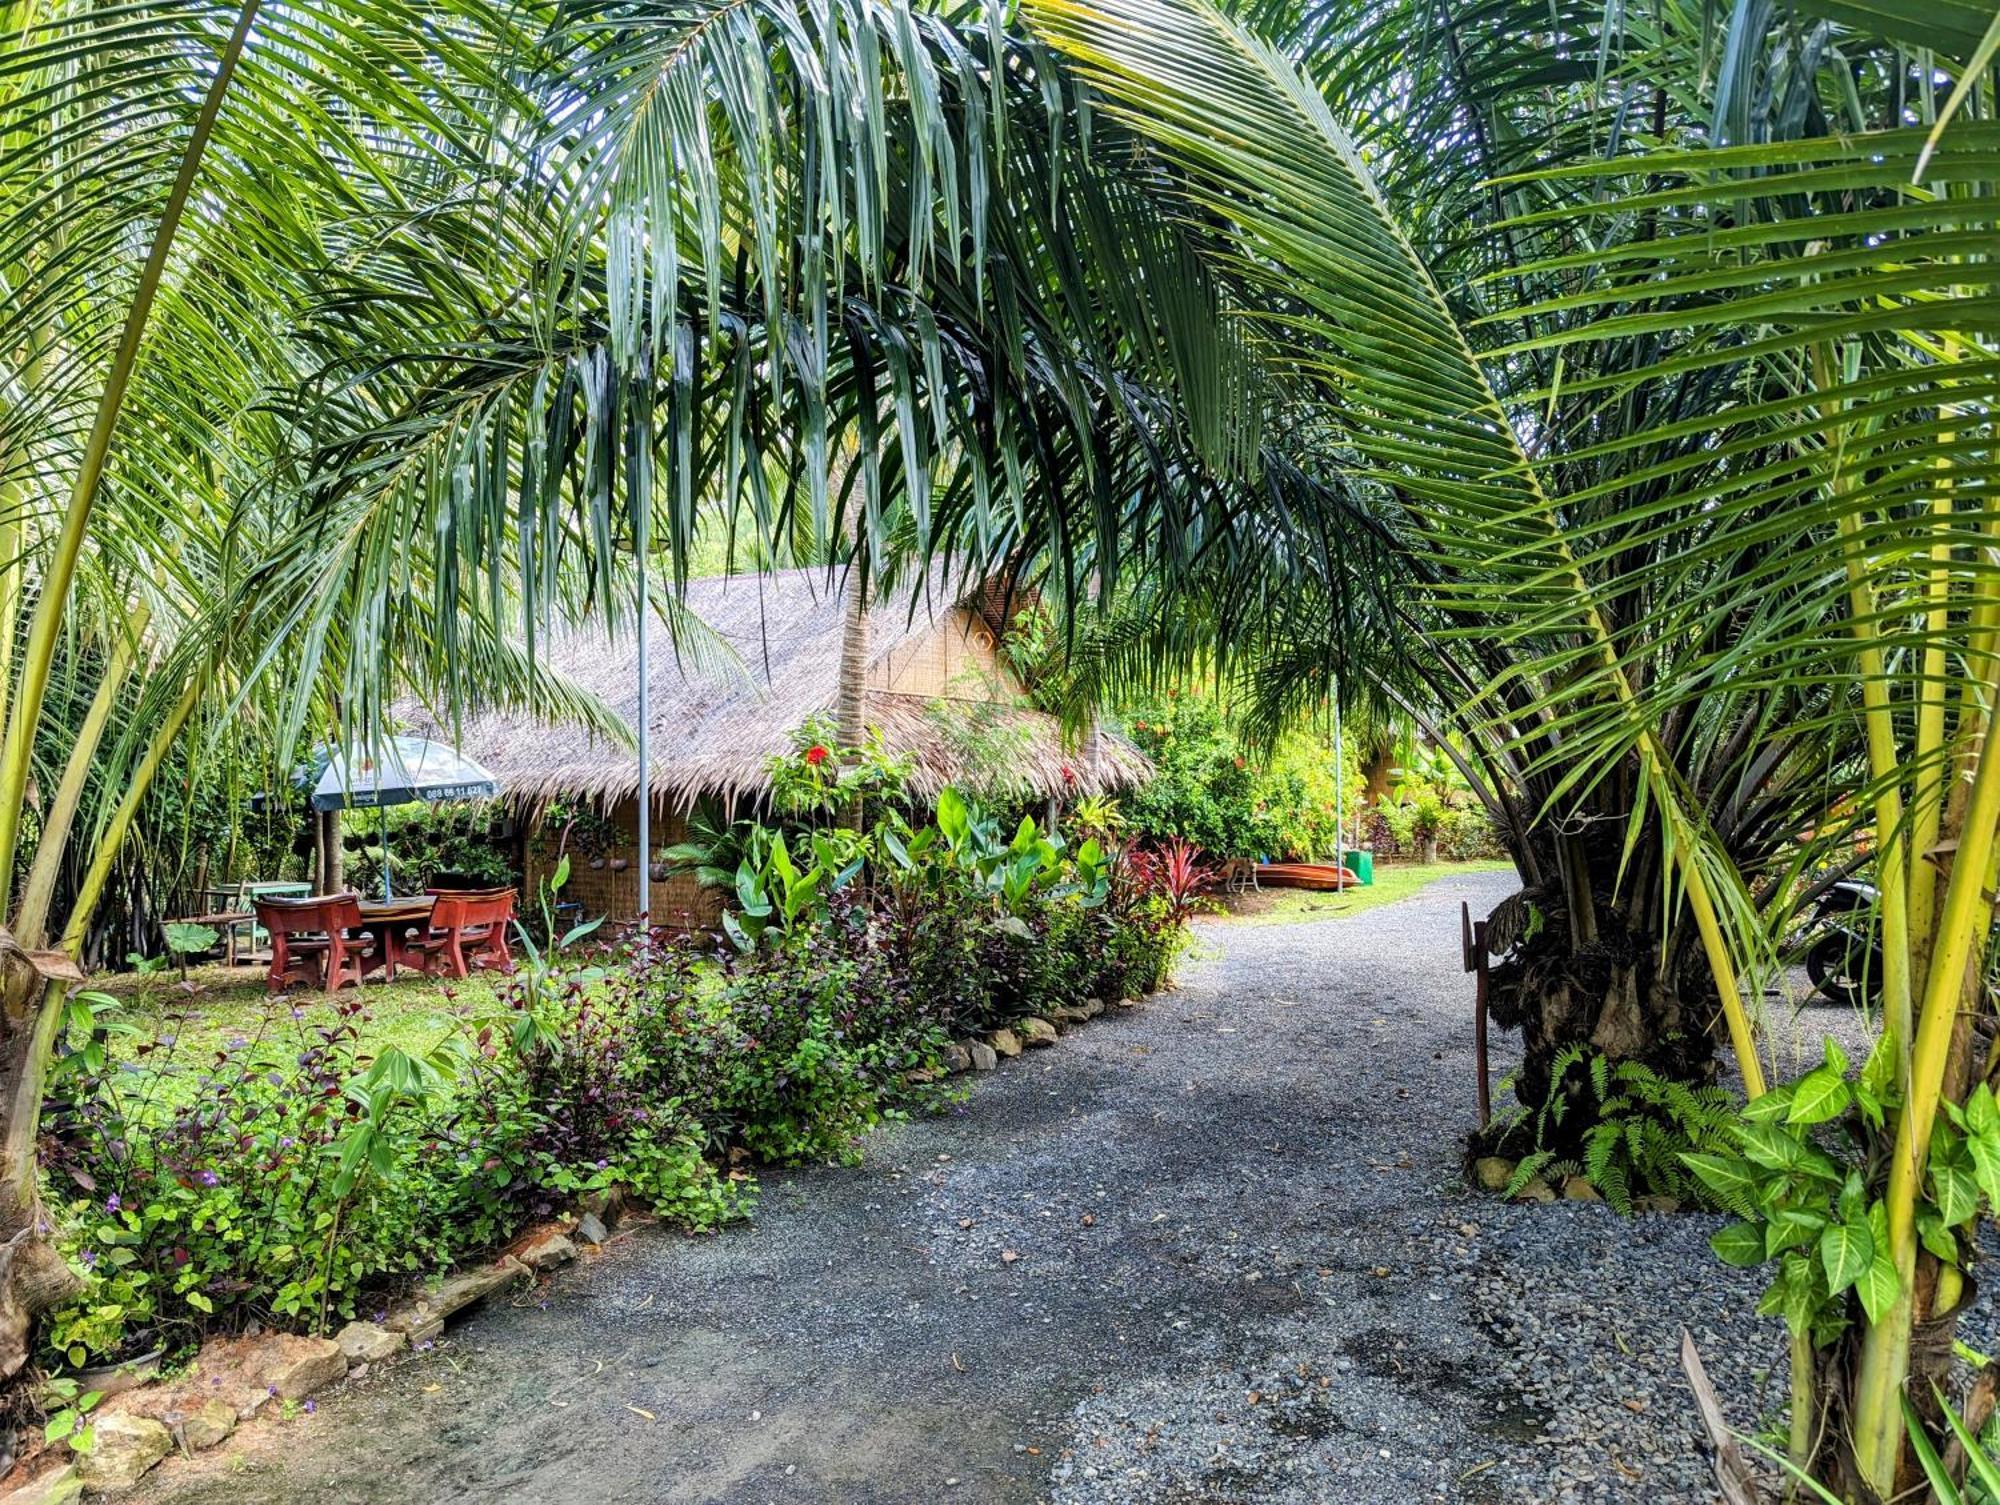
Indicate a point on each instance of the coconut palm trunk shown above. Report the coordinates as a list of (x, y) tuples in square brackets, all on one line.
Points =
[(851, 702)]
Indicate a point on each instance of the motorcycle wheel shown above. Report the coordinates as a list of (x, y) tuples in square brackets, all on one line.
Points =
[(1844, 972)]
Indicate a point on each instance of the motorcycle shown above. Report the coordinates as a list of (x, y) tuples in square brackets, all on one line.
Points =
[(1843, 960)]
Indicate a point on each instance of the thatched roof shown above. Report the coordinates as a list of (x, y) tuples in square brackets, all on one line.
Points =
[(762, 655)]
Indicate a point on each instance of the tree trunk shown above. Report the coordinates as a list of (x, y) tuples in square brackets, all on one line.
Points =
[(330, 864), (1375, 766), (1624, 991), (33, 1276), (852, 701)]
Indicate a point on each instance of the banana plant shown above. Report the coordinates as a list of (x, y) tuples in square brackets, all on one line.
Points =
[(779, 897)]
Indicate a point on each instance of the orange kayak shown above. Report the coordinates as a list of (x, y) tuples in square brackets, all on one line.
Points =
[(1305, 875)]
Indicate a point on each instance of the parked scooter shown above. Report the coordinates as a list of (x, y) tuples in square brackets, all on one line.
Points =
[(1844, 961)]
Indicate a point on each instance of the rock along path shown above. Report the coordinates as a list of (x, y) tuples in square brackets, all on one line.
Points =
[(1247, 1270)]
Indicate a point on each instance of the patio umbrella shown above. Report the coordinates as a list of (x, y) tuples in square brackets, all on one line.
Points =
[(401, 771)]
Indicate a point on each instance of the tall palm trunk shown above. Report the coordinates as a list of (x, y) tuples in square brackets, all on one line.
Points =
[(851, 703)]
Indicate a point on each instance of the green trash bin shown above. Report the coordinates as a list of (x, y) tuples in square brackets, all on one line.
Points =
[(1362, 865)]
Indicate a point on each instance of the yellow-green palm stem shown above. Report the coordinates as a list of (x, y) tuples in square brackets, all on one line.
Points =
[(113, 835), (32, 919), (1892, 866), (1742, 1038), (1892, 852), (1963, 922), (45, 627), (1927, 755), (1800, 1450)]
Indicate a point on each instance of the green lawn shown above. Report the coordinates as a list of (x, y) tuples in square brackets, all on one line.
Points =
[(1393, 881), (222, 1005)]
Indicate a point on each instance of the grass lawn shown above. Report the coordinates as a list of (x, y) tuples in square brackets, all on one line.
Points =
[(1393, 881), (222, 1005)]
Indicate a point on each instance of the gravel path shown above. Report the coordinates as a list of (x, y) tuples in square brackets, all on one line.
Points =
[(1246, 1271)]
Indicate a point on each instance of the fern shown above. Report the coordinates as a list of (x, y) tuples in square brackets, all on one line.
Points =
[(1530, 1167), (1641, 1126)]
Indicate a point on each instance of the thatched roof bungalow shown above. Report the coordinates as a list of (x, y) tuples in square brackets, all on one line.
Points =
[(760, 655)]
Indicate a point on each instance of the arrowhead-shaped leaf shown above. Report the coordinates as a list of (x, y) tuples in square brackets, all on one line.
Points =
[(1846, 1250), (1739, 1244), (1955, 1192), (1822, 1094), (1878, 1286)]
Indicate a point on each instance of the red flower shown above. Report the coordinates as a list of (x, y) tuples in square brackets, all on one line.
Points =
[(1069, 775), (815, 755)]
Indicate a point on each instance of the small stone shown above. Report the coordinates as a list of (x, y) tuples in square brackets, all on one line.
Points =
[(461, 1291), (1658, 1202), (1493, 1172), (919, 1076), (1537, 1190), (984, 1057), (124, 1448), (1092, 1007), (1035, 1033), (590, 1230), (301, 1367), (609, 1203), (1008, 1256), (366, 1342), (1128, 1003), (1468, 1230), (1067, 1015), (957, 1058), (1005, 1043), (56, 1485), (546, 1248), (209, 1426), (116, 1379), (1579, 1189)]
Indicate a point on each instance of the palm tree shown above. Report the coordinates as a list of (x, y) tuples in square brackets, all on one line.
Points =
[(1699, 483), (168, 183)]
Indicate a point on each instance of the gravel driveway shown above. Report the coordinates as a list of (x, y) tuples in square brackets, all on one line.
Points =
[(1246, 1270)]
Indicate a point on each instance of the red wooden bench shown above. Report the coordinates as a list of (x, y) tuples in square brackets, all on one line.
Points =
[(467, 929), (310, 941)]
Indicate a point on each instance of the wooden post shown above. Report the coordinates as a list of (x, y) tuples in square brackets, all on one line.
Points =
[(1472, 938)]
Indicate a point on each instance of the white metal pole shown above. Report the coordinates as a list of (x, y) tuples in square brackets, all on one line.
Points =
[(1339, 802), (645, 717)]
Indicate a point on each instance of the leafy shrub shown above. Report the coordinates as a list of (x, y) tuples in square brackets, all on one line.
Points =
[(559, 1105), (297, 1178), (1464, 833), (1228, 801), (1205, 789), (212, 1192)]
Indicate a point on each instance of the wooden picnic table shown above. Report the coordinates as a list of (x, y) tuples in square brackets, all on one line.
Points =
[(388, 922)]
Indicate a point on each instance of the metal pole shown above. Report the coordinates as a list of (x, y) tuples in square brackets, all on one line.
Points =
[(383, 811), (645, 864), (1339, 808)]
